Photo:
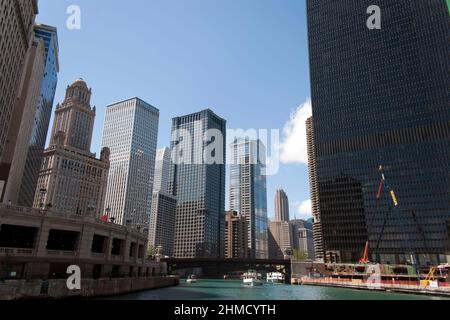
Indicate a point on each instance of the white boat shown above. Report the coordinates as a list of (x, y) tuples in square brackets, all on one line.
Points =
[(275, 277), (191, 279), (252, 278)]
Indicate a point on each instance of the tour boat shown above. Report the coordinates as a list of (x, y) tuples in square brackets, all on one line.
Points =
[(252, 278), (275, 277), (191, 279)]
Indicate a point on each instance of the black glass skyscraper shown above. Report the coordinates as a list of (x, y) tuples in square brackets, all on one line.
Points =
[(382, 97), (197, 180)]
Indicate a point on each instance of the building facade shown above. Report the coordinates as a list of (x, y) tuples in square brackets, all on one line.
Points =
[(16, 148), (130, 131), (302, 238), (40, 127), (236, 236), (281, 206), (16, 25), (198, 185), (280, 240), (72, 179), (381, 97), (162, 170), (248, 192), (162, 223), (314, 190)]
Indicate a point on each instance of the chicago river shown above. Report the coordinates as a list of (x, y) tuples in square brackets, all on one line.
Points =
[(234, 290)]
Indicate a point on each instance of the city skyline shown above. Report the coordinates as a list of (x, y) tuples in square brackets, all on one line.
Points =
[(206, 184), (167, 97)]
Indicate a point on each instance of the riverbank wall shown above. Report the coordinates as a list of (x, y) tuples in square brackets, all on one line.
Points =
[(90, 288), (396, 286)]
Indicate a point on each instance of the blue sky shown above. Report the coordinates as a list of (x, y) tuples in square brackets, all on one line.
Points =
[(245, 59)]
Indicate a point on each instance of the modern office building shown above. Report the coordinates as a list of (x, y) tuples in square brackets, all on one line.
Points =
[(130, 131), (162, 170), (381, 97), (198, 185), (236, 236), (16, 25), (302, 237), (314, 190), (72, 179), (281, 206), (280, 240), (40, 127), (19, 133), (248, 192), (162, 223)]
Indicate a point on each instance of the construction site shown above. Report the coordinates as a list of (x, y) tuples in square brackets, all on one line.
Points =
[(418, 275)]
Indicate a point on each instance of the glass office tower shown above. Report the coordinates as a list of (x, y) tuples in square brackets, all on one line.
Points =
[(43, 113), (248, 192), (382, 97), (199, 186)]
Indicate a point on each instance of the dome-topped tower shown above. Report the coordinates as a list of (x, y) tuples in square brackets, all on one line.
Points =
[(75, 117), (78, 92)]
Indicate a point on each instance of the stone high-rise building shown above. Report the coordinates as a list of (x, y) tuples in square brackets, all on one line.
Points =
[(29, 126), (236, 236), (42, 114), (16, 148), (280, 240), (381, 97), (248, 191), (281, 206), (198, 184), (16, 25), (71, 179), (130, 131)]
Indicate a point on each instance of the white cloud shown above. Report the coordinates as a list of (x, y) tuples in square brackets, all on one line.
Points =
[(293, 148), (302, 210), (305, 208)]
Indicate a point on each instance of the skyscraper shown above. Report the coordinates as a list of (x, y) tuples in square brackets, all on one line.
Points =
[(281, 206), (302, 238), (36, 143), (198, 184), (72, 179), (162, 222), (381, 97), (164, 206), (19, 133), (236, 238), (248, 192), (162, 170), (280, 240), (130, 131), (16, 25)]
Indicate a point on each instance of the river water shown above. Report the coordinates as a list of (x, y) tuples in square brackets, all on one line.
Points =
[(234, 290)]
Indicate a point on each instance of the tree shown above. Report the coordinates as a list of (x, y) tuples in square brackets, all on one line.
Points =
[(300, 255)]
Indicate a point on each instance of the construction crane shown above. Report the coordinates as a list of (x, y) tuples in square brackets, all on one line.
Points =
[(394, 204)]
